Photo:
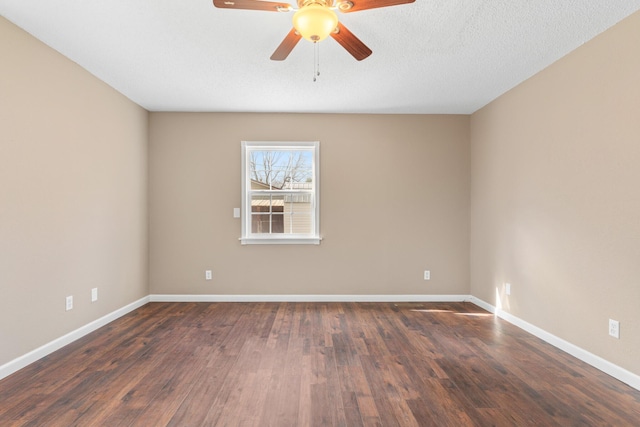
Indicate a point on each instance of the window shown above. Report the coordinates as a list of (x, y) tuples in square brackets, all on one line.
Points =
[(280, 193)]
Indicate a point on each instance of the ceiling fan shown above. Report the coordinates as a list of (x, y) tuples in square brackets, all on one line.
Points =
[(315, 20)]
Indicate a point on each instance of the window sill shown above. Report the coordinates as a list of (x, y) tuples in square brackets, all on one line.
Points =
[(280, 240)]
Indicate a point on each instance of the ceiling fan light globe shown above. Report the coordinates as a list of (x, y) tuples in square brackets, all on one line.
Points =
[(315, 22)]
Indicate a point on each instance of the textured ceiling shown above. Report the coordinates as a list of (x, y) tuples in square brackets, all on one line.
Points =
[(431, 56)]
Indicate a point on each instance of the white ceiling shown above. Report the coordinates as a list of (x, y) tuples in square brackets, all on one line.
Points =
[(431, 56)]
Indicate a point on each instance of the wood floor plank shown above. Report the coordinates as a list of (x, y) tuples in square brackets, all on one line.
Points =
[(356, 382), (313, 364)]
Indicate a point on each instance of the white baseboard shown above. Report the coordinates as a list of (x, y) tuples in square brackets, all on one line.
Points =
[(596, 361), (482, 304), (40, 352), (308, 298)]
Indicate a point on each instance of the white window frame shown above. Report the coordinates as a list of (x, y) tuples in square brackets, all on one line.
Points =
[(248, 238)]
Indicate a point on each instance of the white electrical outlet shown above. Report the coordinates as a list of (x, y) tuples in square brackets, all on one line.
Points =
[(427, 275), (236, 212), (94, 294), (614, 328), (208, 275), (507, 288), (69, 303)]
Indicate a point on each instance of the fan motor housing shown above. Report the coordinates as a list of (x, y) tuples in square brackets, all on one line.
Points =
[(324, 3)]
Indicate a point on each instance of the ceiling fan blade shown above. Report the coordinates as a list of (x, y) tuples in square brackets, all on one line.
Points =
[(287, 45), (351, 43), (268, 6), (346, 6)]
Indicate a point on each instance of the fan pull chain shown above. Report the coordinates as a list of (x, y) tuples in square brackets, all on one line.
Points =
[(316, 61)]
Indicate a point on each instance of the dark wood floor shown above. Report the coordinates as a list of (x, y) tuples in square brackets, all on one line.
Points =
[(313, 364)]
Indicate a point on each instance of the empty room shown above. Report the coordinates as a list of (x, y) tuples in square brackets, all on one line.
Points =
[(347, 213)]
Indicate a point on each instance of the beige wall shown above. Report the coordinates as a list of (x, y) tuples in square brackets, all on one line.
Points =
[(394, 202), (72, 195), (555, 199)]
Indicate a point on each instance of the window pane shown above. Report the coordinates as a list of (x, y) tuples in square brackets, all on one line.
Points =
[(297, 213), (280, 169), (267, 214), (282, 213)]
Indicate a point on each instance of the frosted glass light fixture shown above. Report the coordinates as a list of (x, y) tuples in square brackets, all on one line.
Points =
[(315, 22)]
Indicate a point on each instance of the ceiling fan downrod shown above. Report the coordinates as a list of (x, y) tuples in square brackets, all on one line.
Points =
[(316, 61)]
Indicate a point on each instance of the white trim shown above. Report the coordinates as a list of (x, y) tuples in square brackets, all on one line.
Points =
[(308, 298), (596, 361), (480, 303), (40, 352), (280, 240)]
